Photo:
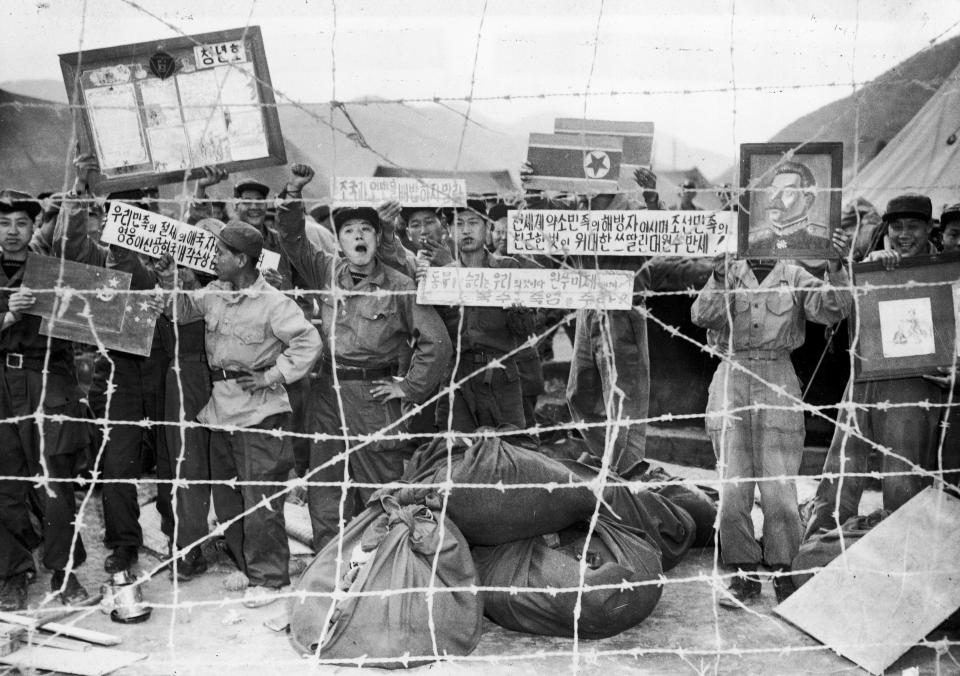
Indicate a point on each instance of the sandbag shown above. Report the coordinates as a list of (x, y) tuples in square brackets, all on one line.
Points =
[(669, 526), (490, 515), (617, 554), (696, 502), (824, 546), (389, 547)]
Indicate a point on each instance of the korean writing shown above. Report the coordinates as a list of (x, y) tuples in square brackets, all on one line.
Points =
[(501, 287), (154, 235), (373, 191), (208, 56), (622, 233)]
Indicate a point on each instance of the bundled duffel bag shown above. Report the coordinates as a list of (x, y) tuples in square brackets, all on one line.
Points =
[(489, 514), (669, 526), (698, 504), (824, 546), (389, 548), (616, 554)]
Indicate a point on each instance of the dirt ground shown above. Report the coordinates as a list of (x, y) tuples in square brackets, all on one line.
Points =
[(200, 628)]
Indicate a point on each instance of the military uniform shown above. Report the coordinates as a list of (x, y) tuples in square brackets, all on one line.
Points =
[(756, 430), (367, 337), (254, 329)]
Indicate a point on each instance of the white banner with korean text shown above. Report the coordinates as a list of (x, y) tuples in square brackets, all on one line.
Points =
[(373, 191), (689, 234), (502, 287), (154, 234)]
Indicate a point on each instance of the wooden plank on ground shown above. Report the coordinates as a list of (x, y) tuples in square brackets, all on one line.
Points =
[(890, 589), (93, 662)]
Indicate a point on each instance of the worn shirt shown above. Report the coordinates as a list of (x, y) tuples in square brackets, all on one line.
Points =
[(376, 322), (254, 329), (769, 315)]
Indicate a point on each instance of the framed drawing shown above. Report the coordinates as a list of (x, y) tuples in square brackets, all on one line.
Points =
[(790, 199), (153, 110), (908, 317)]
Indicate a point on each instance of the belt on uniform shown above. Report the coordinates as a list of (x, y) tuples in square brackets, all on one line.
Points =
[(360, 372), (18, 360), (480, 356), (761, 355), (216, 375)]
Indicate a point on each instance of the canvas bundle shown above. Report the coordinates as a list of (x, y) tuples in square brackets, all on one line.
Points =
[(492, 514), (616, 554), (826, 545), (389, 548)]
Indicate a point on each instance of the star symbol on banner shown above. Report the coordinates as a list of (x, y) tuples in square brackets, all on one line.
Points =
[(596, 164), (113, 282)]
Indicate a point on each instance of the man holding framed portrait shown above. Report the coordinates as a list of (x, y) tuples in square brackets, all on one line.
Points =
[(896, 346)]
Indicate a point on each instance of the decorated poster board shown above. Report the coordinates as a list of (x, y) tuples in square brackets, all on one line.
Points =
[(153, 235), (690, 234), (502, 287), (373, 191), (151, 111), (89, 304)]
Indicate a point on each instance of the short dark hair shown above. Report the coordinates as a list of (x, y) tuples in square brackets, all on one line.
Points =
[(807, 179)]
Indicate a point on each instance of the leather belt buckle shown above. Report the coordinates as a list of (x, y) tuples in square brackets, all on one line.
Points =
[(14, 360)]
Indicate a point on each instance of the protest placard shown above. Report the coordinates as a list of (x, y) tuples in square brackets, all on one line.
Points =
[(637, 136), (502, 287), (155, 234), (375, 190), (151, 111), (576, 162), (89, 304), (689, 234)]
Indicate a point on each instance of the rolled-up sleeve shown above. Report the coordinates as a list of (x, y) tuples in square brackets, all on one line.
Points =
[(825, 302), (709, 310), (302, 342)]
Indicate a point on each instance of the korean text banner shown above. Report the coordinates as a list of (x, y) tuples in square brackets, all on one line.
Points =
[(375, 190), (502, 287), (622, 233)]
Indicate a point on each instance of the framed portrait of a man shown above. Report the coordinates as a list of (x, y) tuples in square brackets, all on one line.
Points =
[(790, 199)]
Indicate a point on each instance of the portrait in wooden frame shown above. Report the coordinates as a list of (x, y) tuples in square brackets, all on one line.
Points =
[(154, 111), (790, 199), (906, 324)]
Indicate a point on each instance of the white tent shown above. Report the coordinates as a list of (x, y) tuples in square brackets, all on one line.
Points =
[(924, 157)]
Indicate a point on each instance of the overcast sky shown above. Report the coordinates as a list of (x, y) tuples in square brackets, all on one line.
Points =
[(672, 62)]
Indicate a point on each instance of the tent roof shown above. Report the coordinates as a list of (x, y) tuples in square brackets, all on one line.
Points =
[(921, 157), (495, 182)]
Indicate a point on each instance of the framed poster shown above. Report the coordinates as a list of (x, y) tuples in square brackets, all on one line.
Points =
[(790, 199), (153, 110), (907, 323)]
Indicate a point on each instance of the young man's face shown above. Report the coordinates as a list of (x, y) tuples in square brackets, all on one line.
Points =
[(228, 264), (498, 236), (251, 207), (358, 241), (951, 237), (16, 229), (909, 236), (471, 231), (425, 225)]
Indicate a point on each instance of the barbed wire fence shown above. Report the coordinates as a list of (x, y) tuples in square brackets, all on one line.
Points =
[(580, 653)]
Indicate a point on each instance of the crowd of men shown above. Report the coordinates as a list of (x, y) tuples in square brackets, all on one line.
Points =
[(333, 349)]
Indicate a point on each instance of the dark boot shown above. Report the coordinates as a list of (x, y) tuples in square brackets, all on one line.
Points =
[(783, 585), (122, 558), (13, 592), (190, 565), (744, 589), (73, 593)]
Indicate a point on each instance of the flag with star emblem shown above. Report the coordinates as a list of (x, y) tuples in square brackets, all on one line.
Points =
[(89, 304), (575, 162), (637, 136)]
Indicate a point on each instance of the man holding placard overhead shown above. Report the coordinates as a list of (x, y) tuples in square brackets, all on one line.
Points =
[(372, 325)]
